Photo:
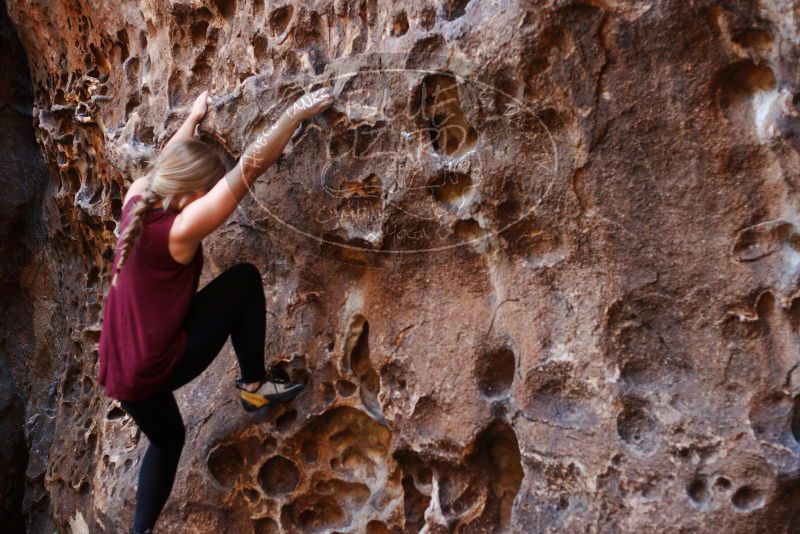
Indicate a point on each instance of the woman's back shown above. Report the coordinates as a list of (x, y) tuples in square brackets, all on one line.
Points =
[(141, 338)]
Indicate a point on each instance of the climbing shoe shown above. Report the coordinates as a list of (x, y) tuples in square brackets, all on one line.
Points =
[(271, 390)]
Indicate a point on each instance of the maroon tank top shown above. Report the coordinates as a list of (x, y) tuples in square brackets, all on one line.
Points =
[(141, 336)]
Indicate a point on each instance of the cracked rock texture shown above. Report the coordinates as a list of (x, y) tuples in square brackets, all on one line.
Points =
[(539, 264)]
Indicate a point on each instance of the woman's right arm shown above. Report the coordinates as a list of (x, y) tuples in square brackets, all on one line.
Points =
[(207, 213)]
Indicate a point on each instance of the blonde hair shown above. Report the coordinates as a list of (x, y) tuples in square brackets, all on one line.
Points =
[(180, 170)]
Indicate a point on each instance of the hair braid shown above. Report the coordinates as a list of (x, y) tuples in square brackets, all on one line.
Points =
[(182, 169), (135, 225)]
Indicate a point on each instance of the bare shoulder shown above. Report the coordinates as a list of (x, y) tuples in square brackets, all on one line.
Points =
[(137, 188)]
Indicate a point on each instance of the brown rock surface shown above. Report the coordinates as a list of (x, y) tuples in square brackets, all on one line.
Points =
[(539, 263)]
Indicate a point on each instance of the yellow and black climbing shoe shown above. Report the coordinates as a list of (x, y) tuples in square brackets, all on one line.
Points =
[(271, 390)]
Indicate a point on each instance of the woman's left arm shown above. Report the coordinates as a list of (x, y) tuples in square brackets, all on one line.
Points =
[(199, 108)]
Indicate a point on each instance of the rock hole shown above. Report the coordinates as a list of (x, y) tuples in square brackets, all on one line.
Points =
[(393, 376), (278, 476), (291, 62), (551, 119), (468, 229), (198, 32), (742, 80), (261, 49), (268, 445), (697, 491), (309, 451), (414, 505), (293, 370), (280, 18), (132, 104), (354, 494), (635, 426), (115, 413), (224, 463), (427, 17), (439, 102), (426, 415), (454, 9), (328, 393), (265, 525), (87, 385), (345, 387), (747, 498), (258, 7), (145, 134), (498, 445), (377, 527), (250, 494), (773, 416), (352, 444), (175, 90), (201, 73), (795, 421), (360, 363), (123, 45), (226, 8), (553, 394), (495, 372), (151, 29), (451, 188), (722, 483), (285, 420), (458, 495), (321, 515), (399, 24), (415, 475), (93, 276), (761, 240), (754, 38), (116, 201), (307, 34)]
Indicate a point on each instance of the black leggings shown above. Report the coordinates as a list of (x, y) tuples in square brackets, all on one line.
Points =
[(231, 304)]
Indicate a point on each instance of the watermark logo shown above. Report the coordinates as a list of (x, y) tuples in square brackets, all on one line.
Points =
[(409, 159)]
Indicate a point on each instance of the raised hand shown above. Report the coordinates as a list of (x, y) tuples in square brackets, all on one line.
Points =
[(200, 106), (311, 104)]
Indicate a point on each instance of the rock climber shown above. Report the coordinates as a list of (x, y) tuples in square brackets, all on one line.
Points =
[(158, 331)]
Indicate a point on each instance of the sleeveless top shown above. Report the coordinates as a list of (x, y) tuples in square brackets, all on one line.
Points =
[(142, 337)]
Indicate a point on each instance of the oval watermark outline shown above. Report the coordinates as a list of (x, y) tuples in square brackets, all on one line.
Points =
[(461, 79)]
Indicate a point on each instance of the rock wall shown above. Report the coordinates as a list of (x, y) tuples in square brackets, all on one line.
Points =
[(538, 264)]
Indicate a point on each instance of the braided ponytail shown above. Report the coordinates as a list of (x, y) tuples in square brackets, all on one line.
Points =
[(135, 225)]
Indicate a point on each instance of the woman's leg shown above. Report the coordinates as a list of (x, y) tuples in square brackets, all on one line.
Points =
[(232, 304), (160, 420)]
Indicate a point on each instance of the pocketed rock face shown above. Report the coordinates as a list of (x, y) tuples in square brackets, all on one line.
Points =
[(538, 264)]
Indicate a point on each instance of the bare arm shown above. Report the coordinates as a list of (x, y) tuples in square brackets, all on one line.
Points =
[(208, 212), (186, 131)]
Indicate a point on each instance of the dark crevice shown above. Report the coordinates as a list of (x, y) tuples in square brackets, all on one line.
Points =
[(23, 176)]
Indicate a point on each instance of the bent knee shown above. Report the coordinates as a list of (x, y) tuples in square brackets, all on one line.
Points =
[(246, 269), (248, 274)]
